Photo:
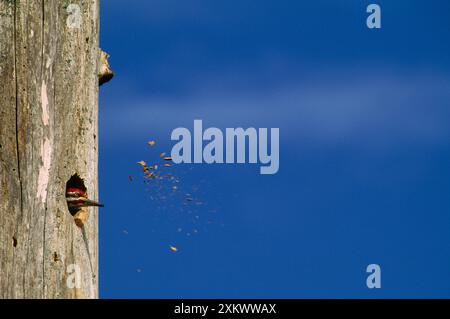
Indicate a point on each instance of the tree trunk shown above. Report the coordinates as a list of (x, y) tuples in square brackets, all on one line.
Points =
[(48, 133)]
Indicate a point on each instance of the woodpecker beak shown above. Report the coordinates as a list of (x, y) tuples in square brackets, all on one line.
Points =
[(78, 202), (87, 202)]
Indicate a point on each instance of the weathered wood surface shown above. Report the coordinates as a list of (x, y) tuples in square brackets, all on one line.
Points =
[(48, 132)]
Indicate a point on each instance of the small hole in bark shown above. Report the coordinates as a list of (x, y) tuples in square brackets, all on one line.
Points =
[(14, 241), (55, 257), (75, 183)]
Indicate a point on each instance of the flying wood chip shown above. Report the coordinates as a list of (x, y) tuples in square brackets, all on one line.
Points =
[(167, 158), (173, 249), (151, 143), (142, 163)]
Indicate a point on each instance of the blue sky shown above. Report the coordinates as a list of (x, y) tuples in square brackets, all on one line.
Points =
[(364, 118)]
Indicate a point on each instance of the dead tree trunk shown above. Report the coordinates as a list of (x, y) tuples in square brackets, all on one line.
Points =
[(48, 133)]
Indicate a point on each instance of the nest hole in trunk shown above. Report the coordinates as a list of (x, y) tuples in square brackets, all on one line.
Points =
[(75, 182)]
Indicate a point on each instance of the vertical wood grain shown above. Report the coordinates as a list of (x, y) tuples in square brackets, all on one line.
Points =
[(48, 132)]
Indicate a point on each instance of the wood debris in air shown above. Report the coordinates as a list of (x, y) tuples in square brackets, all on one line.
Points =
[(173, 249), (171, 195)]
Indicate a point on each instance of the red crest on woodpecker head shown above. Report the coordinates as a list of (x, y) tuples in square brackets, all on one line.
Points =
[(75, 191)]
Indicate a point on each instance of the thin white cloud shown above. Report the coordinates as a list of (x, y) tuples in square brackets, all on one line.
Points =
[(384, 108)]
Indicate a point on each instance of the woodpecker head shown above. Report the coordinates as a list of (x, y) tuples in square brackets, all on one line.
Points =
[(77, 198)]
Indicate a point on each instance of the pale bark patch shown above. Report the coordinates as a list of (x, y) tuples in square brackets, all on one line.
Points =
[(44, 103), (44, 171)]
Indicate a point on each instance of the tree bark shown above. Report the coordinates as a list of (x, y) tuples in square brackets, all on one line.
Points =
[(48, 133)]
